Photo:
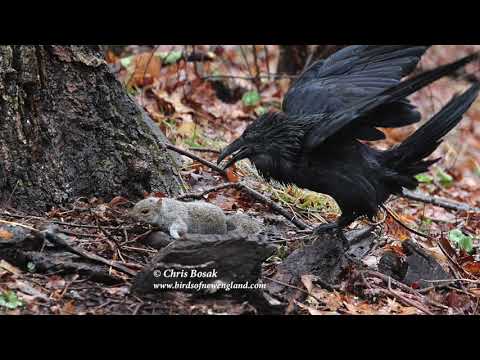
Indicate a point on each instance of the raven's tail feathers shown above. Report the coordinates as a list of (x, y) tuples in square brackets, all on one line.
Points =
[(407, 160)]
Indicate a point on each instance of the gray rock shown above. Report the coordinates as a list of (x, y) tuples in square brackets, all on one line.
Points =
[(221, 259), (325, 259), (417, 268)]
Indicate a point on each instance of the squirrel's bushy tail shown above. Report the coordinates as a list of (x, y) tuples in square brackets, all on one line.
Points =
[(407, 159)]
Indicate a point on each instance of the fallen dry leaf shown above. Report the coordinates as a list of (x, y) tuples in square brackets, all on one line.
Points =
[(231, 176), (5, 235), (473, 268), (307, 281), (147, 67), (55, 282), (69, 308), (118, 200)]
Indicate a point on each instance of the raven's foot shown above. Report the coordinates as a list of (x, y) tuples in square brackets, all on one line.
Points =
[(322, 229), (335, 230)]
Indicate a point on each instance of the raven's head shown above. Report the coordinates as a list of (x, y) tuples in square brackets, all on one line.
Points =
[(267, 141)]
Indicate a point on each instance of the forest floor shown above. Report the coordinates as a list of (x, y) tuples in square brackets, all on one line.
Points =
[(202, 106)]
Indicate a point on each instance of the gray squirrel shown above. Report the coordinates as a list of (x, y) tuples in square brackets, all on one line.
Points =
[(197, 217)]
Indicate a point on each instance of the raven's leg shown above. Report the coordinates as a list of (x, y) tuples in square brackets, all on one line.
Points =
[(344, 220)]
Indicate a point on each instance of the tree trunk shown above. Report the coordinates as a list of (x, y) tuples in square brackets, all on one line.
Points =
[(293, 58), (68, 129)]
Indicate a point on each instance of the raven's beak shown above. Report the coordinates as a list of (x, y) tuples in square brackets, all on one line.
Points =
[(238, 149)]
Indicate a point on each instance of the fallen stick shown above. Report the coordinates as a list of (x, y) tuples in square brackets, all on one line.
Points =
[(438, 201), (390, 291), (262, 198), (8, 214), (405, 300), (205, 150), (196, 158), (50, 235), (255, 194), (205, 192)]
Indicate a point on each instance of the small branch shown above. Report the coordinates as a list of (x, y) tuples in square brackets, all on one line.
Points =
[(205, 150), (50, 235), (405, 226), (406, 301), (8, 214), (438, 201), (208, 191), (267, 60), (292, 287), (388, 279), (196, 158), (297, 222), (244, 56), (55, 239), (262, 198), (257, 68), (17, 224), (195, 68), (152, 54), (249, 78)]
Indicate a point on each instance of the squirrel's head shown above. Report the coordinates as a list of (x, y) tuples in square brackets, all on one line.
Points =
[(146, 210)]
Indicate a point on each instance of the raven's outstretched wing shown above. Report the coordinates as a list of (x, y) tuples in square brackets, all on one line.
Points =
[(352, 75), (327, 125)]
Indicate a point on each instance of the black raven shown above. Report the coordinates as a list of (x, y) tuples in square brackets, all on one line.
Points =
[(315, 141)]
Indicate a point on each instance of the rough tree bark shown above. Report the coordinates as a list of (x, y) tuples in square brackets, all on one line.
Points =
[(293, 58), (68, 129)]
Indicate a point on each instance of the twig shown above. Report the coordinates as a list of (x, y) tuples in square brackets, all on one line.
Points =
[(205, 150), (6, 213), (398, 221), (439, 286), (196, 158), (455, 264), (195, 69), (205, 192), (388, 279), (249, 78), (17, 224), (244, 56), (404, 287), (293, 287), (107, 235), (470, 281), (85, 226), (267, 60), (78, 235), (141, 250), (13, 192), (438, 201), (406, 301), (152, 54), (51, 236), (257, 67), (297, 222)]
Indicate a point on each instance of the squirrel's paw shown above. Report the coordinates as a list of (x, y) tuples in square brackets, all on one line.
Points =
[(178, 230)]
